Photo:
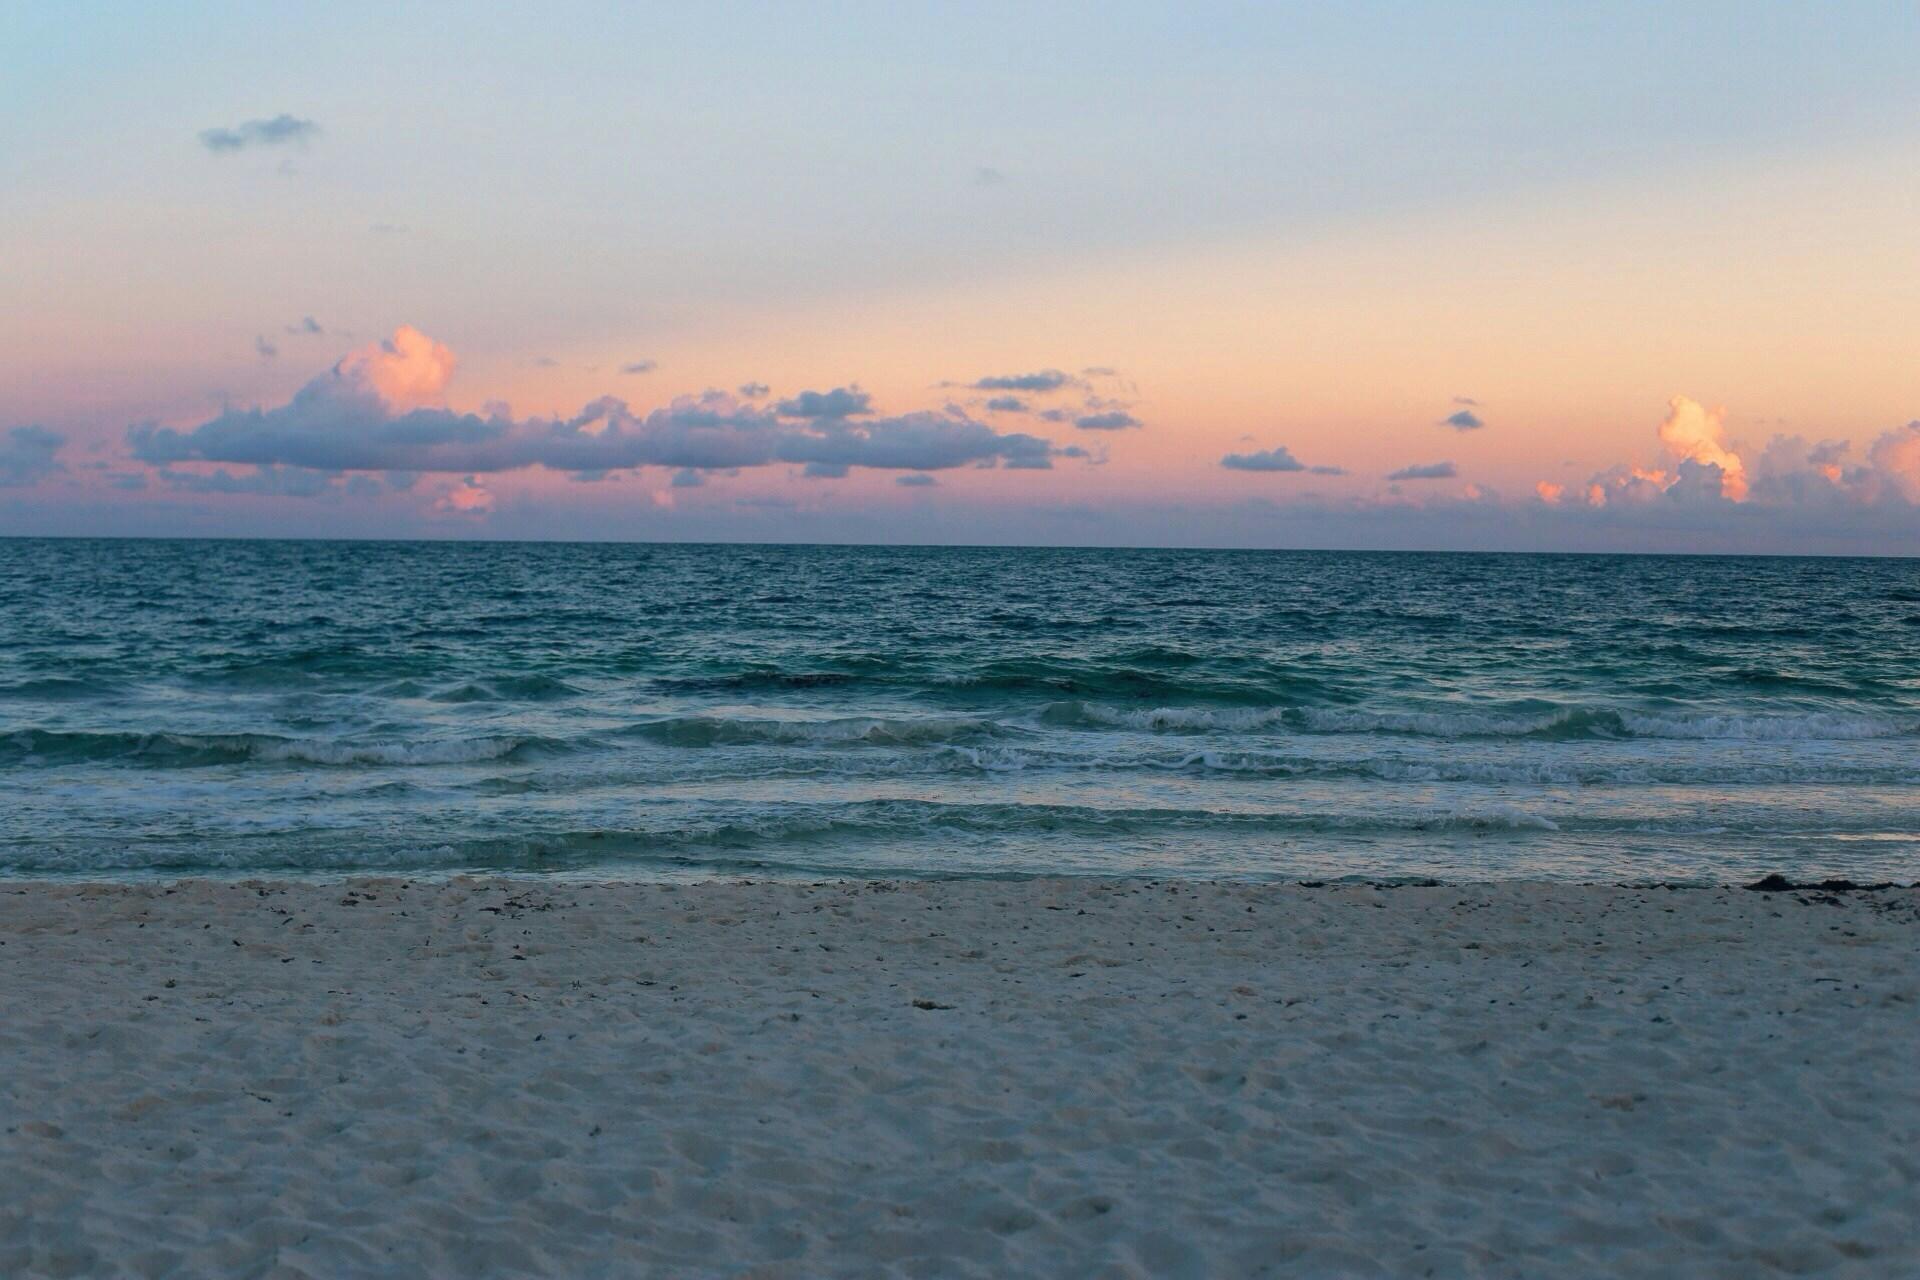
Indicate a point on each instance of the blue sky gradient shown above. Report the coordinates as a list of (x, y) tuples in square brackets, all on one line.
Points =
[(1313, 229)]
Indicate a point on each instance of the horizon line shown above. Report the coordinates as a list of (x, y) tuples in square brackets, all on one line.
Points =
[(956, 546)]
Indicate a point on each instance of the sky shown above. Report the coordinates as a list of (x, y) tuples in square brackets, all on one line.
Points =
[(1628, 277)]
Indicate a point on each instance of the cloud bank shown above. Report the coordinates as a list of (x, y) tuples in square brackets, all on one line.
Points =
[(1706, 475), (377, 425), (380, 409)]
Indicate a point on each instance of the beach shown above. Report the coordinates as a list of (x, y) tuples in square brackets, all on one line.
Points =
[(935, 1078)]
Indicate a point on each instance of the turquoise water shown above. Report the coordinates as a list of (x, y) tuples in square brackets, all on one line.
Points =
[(172, 707)]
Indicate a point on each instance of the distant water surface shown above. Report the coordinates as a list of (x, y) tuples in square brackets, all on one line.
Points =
[(175, 707)]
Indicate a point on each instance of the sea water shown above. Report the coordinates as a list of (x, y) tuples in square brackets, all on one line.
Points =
[(173, 707)]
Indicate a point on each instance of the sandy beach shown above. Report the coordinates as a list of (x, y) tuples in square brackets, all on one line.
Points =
[(1066, 1078)]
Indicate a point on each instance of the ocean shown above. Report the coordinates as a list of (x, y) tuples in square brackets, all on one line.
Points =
[(612, 710)]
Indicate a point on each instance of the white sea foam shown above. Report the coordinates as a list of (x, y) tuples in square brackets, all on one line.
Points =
[(462, 751), (1174, 719), (1809, 726), (1433, 724)]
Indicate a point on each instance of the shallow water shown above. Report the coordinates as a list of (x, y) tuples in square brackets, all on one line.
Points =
[(178, 706)]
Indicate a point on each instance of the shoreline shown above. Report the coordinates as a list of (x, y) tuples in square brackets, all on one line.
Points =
[(517, 1076), (695, 877)]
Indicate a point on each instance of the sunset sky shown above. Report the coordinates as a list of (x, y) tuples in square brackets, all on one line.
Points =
[(1614, 277)]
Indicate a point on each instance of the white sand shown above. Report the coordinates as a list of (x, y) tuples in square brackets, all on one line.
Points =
[(507, 1078)]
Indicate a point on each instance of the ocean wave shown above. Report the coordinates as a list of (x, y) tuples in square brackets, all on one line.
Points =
[(803, 836), (62, 689), (1167, 719), (754, 679), (721, 730), (757, 680), (1307, 719), (304, 668), (1807, 726), (1453, 724), (1134, 676), (458, 751), (1298, 719), (904, 818), (46, 746), (532, 688), (832, 763), (1553, 723)]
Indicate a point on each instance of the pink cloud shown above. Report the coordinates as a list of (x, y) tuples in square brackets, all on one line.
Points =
[(1788, 472), (1896, 455), (407, 371), (1694, 433), (468, 498)]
